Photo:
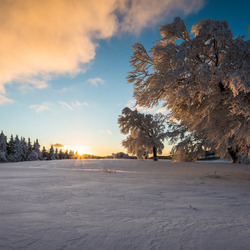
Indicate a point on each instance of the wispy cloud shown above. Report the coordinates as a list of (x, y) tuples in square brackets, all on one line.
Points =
[(79, 104), (95, 81), (29, 84), (65, 105), (41, 107), (67, 89), (4, 100), (73, 105), (39, 40), (107, 131)]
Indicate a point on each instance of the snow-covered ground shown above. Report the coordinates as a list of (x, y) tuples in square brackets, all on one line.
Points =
[(144, 205)]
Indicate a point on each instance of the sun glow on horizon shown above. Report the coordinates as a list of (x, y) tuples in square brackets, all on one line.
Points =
[(80, 149)]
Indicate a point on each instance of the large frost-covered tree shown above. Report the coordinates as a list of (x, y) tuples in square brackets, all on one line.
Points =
[(203, 80), (146, 132)]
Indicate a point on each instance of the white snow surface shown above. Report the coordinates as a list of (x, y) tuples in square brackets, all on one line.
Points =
[(124, 204)]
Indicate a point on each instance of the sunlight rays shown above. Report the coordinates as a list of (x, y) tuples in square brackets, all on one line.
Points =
[(80, 149)]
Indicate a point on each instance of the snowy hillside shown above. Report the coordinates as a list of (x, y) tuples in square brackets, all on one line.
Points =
[(124, 204)]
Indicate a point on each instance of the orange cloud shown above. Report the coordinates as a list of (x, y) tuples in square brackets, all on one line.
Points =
[(57, 145), (42, 38)]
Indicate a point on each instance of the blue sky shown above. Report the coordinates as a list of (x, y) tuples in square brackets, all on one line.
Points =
[(70, 90)]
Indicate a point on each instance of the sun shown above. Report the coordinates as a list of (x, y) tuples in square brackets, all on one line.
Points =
[(80, 149)]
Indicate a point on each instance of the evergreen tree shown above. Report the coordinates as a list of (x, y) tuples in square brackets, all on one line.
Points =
[(3, 147), (33, 156), (16, 151), (56, 154), (25, 149), (36, 148), (44, 154), (76, 156), (10, 145), (30, 148), (71, 154), (61, 154), (51, 153), (66, 155)]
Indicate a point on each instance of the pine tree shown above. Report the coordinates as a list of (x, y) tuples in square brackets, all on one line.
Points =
[(66, 154), (25, 149), (51, 153), (71, 154), (61, 154), (56, 154), (3, 147), (30, 148), (44, 154), (16, 153), (36, 148), (10, 145), (76, 155)]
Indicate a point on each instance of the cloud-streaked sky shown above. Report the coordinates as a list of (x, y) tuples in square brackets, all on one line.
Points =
[(63, 63), (42, 38)]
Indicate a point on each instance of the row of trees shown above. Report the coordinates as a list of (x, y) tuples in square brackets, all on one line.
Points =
[(203, 81), (15, 149)]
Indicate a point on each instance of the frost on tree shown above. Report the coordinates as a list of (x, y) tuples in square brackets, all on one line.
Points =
[(36, 148), (25, 149), (33, 156), (204, 82), (188, 146), (52, 153), (3, 147), (145, 133), (17, 149), (16, 152)]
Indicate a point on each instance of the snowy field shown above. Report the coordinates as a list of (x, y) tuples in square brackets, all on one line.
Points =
[(72, 204)]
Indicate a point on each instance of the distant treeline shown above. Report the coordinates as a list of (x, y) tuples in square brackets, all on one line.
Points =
[(15, 149)]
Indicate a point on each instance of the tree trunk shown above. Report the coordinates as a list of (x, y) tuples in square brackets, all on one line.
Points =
[(155, 154), (234, 154)]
